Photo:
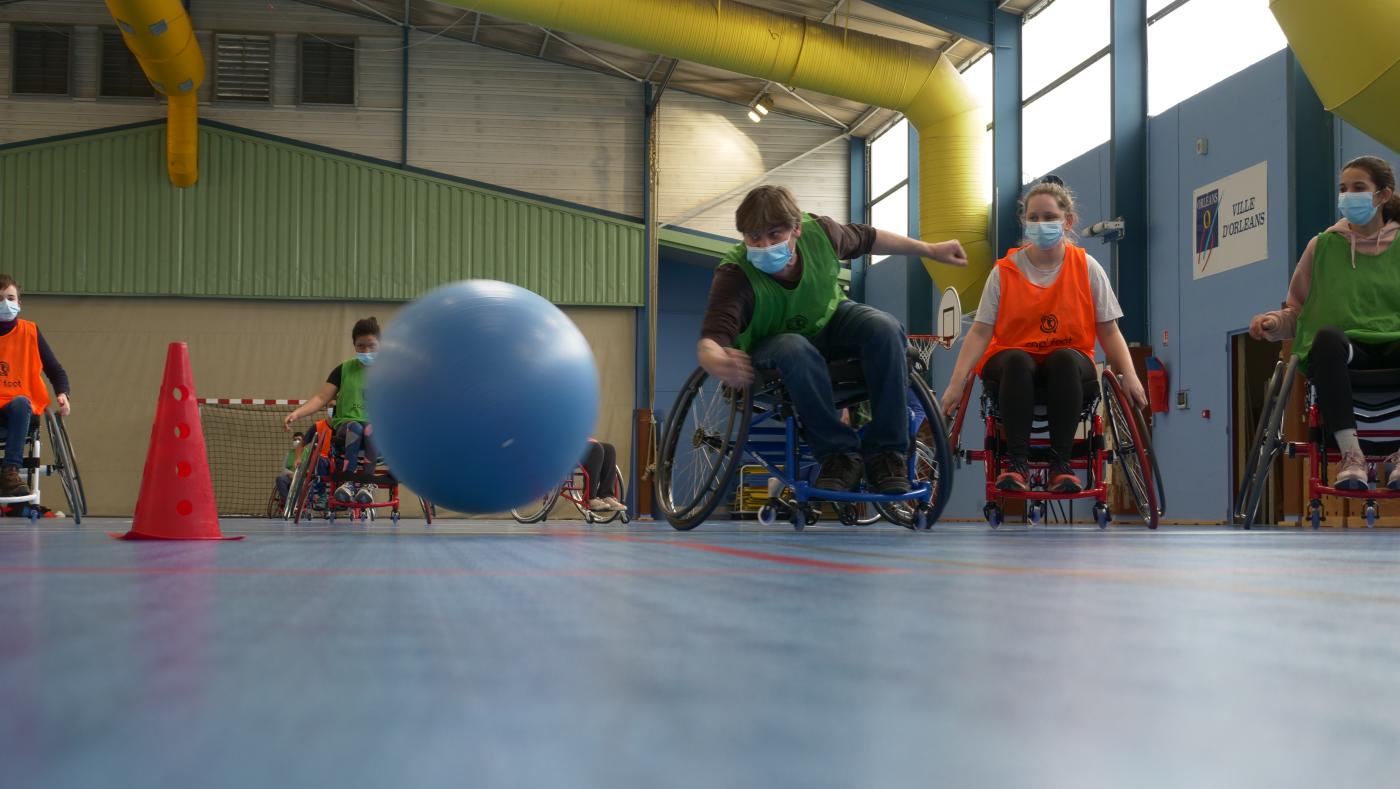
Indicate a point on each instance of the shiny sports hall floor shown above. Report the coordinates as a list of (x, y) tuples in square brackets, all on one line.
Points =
[(485, 654)]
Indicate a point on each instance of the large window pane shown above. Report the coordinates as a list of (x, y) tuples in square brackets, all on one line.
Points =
[(889, 159), (1059, 38), (1067, 121), (891, 214), (978, 78), (1236, 35)]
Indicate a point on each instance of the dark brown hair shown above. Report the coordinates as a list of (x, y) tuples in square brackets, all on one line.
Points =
[(365, 327), (1382, 175), (6, 281), (767, 207)]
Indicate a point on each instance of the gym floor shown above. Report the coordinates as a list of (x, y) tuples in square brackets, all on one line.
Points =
[(492, 654)]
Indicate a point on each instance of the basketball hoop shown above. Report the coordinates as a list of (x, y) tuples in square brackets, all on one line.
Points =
[(949, 319), (924, 344)]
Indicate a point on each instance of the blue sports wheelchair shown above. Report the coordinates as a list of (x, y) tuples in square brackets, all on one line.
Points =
[(713, 427)]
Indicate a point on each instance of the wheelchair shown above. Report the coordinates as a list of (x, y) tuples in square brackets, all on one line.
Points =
[(1376, 404), (64, 466), (574, 490), (713, 427), (1090, 454), (317, 475)]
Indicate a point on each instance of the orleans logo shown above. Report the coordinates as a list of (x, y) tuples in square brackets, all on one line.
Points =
[(4, 369), (1049, 324), (797, 323)]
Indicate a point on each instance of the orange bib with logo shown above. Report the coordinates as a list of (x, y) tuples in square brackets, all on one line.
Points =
[(1040, 320), (20, 366)]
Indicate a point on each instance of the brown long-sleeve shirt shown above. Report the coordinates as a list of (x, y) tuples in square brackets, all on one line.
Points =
[(731, 296)]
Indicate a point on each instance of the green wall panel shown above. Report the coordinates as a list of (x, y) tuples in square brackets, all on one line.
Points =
[(95, 214)]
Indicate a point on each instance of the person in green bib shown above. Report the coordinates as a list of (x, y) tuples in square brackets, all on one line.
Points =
[(776, 304), (346, 385), (1343, 307)]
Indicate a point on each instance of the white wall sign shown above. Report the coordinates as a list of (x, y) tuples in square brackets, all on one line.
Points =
[(1228, 222)]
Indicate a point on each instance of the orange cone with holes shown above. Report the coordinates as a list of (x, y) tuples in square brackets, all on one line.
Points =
[(177, 494)]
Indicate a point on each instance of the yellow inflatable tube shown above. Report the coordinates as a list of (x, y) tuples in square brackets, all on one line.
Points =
[(161, 36)]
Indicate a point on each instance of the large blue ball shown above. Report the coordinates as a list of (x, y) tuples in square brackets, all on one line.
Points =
[(483, 396)]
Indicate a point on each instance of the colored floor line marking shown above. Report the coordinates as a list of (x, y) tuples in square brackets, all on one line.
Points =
[(801, 569), (817, 564)]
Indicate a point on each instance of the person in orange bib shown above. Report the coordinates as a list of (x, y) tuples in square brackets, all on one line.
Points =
[(23, 356), (1043, 306)]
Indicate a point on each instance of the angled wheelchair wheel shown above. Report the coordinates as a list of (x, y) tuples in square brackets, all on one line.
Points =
[(538, 508), (296, 490), (701, 448), (932, 463), (275, 505), (1132, 450), (67, 465), (1267, 444)]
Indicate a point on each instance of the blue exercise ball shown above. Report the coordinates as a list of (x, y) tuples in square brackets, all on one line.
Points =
[(483, 396)]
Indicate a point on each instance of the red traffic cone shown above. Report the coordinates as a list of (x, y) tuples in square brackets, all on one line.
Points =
[(177, 495)]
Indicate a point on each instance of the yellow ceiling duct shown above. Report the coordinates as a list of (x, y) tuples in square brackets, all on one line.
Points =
[(1351, 54), (160, 35), (803, 53)]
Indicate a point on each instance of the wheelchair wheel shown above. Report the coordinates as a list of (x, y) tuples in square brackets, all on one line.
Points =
[(933, 464), (609, 517), (1132, 450), (1267, 443), (429, 510), (67, 466), (296, 489), (701, 449), (275, 505), (538, 508)]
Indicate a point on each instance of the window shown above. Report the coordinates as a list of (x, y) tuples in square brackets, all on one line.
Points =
[(1177, 69), (1060, 37), (1062, 124), (978, 78), (327, 70), (242, 67), (121, 74), (41, 61), (888, 208)]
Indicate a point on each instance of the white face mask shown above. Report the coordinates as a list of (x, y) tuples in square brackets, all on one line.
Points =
[(9, 310)]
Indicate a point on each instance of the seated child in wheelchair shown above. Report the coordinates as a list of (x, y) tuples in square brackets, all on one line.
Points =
[(312, 436), (353, 432), (600, 461), (1042, 308), (1343, 307), (776, 303), (24, 354)]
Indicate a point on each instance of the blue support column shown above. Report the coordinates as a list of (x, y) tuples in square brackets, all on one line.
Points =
[(1006, 131), (1311, 185), (919, 293), (642, 329), (1128, 165), (859, 188)]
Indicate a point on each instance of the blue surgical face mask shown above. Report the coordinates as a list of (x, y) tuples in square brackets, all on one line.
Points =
[(9, 310), (1357, 207), (770, 260), (365, 358), (1045, 235)]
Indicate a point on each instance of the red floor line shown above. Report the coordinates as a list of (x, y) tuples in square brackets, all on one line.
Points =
[(387, 572), (840, 567)]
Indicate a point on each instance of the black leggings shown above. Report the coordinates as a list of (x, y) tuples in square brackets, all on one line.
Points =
[(354, 438), (1065, 376), (1327, 370), (600, 461)]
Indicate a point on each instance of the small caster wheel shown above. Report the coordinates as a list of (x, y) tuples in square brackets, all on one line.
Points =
[(394, 517), (921, 520), (811, 516), (767, 515), (624, 517), (32, 513), (1315, 513), (1036, 512), (1101, 515), (1371, 512), (798, 521), (993, 515), (846, 513)]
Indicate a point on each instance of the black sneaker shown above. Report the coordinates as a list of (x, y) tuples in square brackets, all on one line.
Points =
[(1015, 477), (887, 472), (840, 471), (1062, 477)]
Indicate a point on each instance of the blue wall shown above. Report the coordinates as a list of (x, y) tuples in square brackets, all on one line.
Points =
[(682, 291)]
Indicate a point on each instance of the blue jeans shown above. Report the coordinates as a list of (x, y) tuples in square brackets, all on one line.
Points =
[(355, 438), (15, 416), (855, 330)]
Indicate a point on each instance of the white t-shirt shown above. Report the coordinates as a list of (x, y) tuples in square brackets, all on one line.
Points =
[(1105, 303)]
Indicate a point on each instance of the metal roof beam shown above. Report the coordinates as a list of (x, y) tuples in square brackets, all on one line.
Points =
[(967, 18)]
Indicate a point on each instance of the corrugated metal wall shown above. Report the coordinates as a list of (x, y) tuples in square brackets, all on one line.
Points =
[(736, 151), (96, 215)]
